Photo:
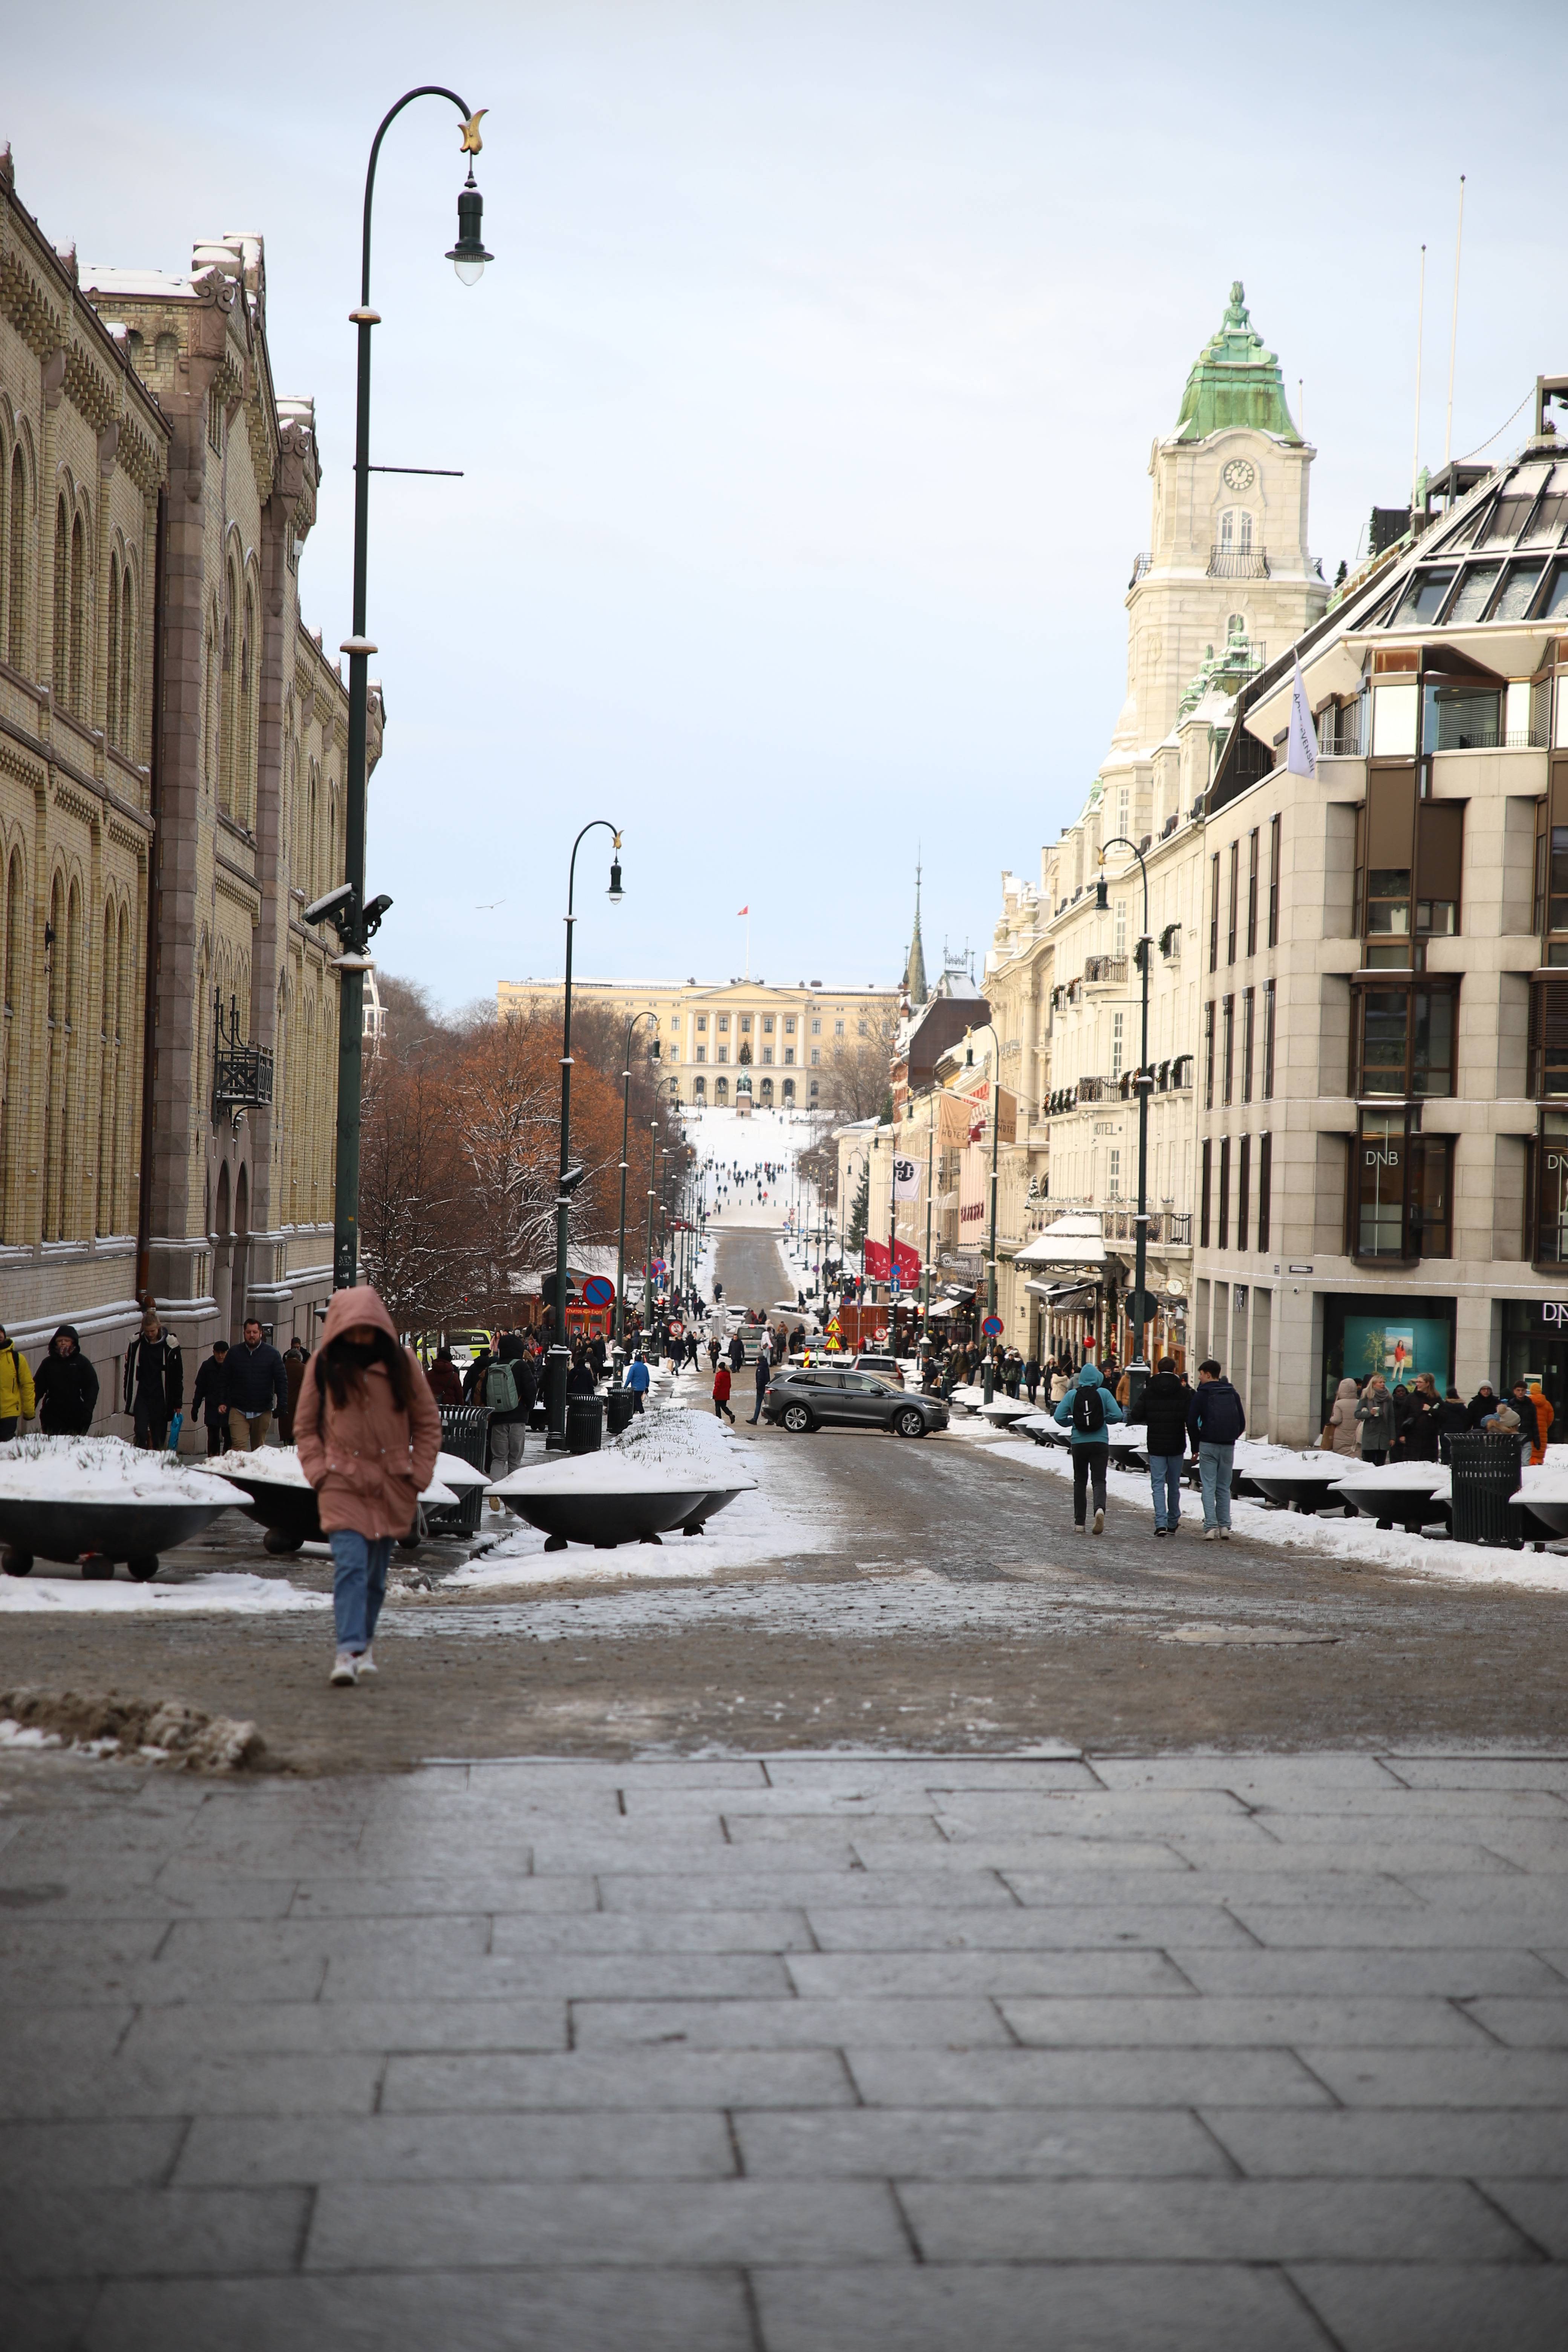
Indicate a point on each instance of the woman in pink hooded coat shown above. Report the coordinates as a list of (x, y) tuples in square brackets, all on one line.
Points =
[(368, 1432)]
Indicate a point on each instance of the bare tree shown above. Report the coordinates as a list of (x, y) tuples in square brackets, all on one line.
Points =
[(856, 1076), (413, 1198)]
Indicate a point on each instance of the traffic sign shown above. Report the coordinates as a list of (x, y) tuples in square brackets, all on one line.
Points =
[(992, 1326), (598, 1291), (832, 1326)]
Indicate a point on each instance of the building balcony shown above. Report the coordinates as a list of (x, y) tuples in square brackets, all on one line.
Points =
[(1168, 1228), (1105, 971), (1238, 563), (1141, 565)]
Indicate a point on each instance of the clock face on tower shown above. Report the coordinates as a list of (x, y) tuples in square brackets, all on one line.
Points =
[(1240, 474)]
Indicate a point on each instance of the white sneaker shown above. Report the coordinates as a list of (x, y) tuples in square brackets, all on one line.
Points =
[(1210, 1534), (1099, 1523), (363, 1664), (1225, 1535), (342, 1668)]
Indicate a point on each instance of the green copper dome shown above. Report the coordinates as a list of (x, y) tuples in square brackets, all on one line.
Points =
[(1234, 381)]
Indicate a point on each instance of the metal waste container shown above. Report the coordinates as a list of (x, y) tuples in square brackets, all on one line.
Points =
[(1485, 1473), (620, 1410), (584, 1424), (465, 1432)]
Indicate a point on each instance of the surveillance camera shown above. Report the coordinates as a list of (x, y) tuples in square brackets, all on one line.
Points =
[(572, 1178), (322, 910), (374, 912)]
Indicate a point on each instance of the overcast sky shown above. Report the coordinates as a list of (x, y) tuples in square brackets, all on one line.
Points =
[(804, 414)]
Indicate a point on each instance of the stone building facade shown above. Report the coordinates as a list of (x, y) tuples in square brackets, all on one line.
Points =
[(167, 726)]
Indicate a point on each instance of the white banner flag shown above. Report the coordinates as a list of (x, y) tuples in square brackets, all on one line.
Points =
[(1301, 751), (906, 1180)]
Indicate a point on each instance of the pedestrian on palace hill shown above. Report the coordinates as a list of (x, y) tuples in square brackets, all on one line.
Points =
[(1339, 1432), (369, 1432), (1163, 1410), (258, 1387), (1375, 1415), (1453, 1419), (17, 1400), (1086, 1410), (445, 1380), (66, 1386), (209, 1398), (765, 1374), (154, 1382), (1215, 1419), (722, 1395)]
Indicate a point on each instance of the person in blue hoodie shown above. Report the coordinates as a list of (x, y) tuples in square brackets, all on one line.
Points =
[(1087, 1410)]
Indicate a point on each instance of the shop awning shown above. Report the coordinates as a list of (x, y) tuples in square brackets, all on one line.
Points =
[(1071, 1241), (1065, 1297)]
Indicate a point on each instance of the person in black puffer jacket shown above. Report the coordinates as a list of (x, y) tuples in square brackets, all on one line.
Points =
[(65, 1385), (1163, 1410)]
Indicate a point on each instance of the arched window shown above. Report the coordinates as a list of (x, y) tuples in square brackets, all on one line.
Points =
[(60, 672), (111, 698), (1236, 532), (78, 620), (1235, 627), (789, 1090), (721, 1089), (17, 566), (129, 732)]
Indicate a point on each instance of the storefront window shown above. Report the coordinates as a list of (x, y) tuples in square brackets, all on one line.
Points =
[(1400, 1195), (1551, 1191)]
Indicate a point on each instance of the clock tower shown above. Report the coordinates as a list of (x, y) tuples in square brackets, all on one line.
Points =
[(1227, 553)]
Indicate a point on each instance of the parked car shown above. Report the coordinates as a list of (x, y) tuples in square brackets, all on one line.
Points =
[(888, 1366), (818, 1396)]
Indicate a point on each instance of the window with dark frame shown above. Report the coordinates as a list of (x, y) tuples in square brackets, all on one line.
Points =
[(1234, 902), (1401, 1187), (1227, 1047), (1406, 1040), (1208, 1055), (1207, 1169), (1214, 912), (1248, 1004), (1252, 892), (1274, 881), (1265, 1176), (1223, 1242), (1268, 1040), (1549, 1192), (1243, 1191)]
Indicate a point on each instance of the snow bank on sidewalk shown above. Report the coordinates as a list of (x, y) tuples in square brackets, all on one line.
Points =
[(232, 1595), (278, 1465), (661, 1452), (102, 1470)]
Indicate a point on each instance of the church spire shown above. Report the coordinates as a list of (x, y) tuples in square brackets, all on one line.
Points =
[(915, 987), (1234, 381)]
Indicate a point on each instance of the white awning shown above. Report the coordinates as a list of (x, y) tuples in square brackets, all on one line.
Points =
[(1065, 1297), (1073, 1240)]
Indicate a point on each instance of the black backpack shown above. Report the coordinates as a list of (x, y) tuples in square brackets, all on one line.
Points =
[(1088, 1410)]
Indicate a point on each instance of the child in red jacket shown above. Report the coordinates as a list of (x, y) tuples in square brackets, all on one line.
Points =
[(721, 1393)]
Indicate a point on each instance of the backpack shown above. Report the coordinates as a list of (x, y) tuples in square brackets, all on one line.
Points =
[(1221, 1419), (500, 1387), (1088, 1411)]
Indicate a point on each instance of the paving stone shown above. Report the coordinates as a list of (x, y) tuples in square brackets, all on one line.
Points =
[(1095, 1812), (1034, 2307), (1384, 1852), (1115, 1863), (790, 2025), (1255, 1779), (1212, 2221), (1525, 2024), (841, 1890), (1370, 2307), (1411, 1805), (652, 1932), (958, 2143), (1168, 1915), (137, 2154), (1408, 2143), (1459, 1974), (367, 1897), (1238, 2022), (808, 1833), (255, 2150), (535, 2310), (122, 2232), (1549, 1772), (217, 2084), (869, 1975), (1288, 1927), (630, 2076), (482, 2224), (1539, 2208), (46, 2318), (1443, 2078), (222, 1948), (1093, 2078), (518, 1976), (1283, 1882), (215, 2028)]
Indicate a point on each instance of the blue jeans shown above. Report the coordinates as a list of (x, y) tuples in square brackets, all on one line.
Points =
[(1213, 1478), (358, 1585), (1166, 1477)]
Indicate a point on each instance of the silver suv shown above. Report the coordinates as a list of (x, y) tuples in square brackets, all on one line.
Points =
[(822, 1397)]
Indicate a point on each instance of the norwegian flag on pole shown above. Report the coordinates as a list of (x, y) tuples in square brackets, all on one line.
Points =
[(741, 910)]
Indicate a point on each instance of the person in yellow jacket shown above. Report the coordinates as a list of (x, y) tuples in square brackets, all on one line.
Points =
[(16, 1400)]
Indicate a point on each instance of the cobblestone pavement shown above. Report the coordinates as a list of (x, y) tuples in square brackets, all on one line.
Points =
[(1041, 2053)]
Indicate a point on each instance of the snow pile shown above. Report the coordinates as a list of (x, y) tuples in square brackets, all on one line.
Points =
[(232, 1595), (149, 1730), (102, 1470), (676, 1450), (278, 1465)]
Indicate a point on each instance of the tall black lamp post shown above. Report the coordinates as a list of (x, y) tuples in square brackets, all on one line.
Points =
[(1138, 1370), (558, 1361), (620, 1354), (345, 908), (991, 1254)]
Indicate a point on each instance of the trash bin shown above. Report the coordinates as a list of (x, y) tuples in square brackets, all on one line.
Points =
[(1485, 1470), (620, 1410), (584, 1424), (465, 1432)]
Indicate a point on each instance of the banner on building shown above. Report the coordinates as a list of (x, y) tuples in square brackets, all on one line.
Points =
[(875, 1256), (906, 1180)]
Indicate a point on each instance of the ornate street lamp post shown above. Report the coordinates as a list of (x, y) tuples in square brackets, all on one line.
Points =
[(991, 1254), (558, 1361), (354, 922), (1138, 1370)]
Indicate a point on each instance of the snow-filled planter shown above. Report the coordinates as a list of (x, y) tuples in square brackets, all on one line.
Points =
[(1414, 1494), (674, 1470), (97, 1500), (277, 1493)]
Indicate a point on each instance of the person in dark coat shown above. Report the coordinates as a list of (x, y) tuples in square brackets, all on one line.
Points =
[(1421, 1429), (1523, 1404), (580, 1380), (294, 1380), (1163, 1409), (1404, 1405), (507, 1428), (737, 1353), (209, 1398), (154, 1382), (1453, 1419), (1482, 1406), (764, 1372), (1032, 1377), (1216, 1420), (66, 1386), (257, 1388), (445, 1380)]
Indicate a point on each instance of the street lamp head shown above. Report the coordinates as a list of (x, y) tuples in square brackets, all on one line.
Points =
[(618, 894), (652, 1051), (468, 256), (1102, 897)]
